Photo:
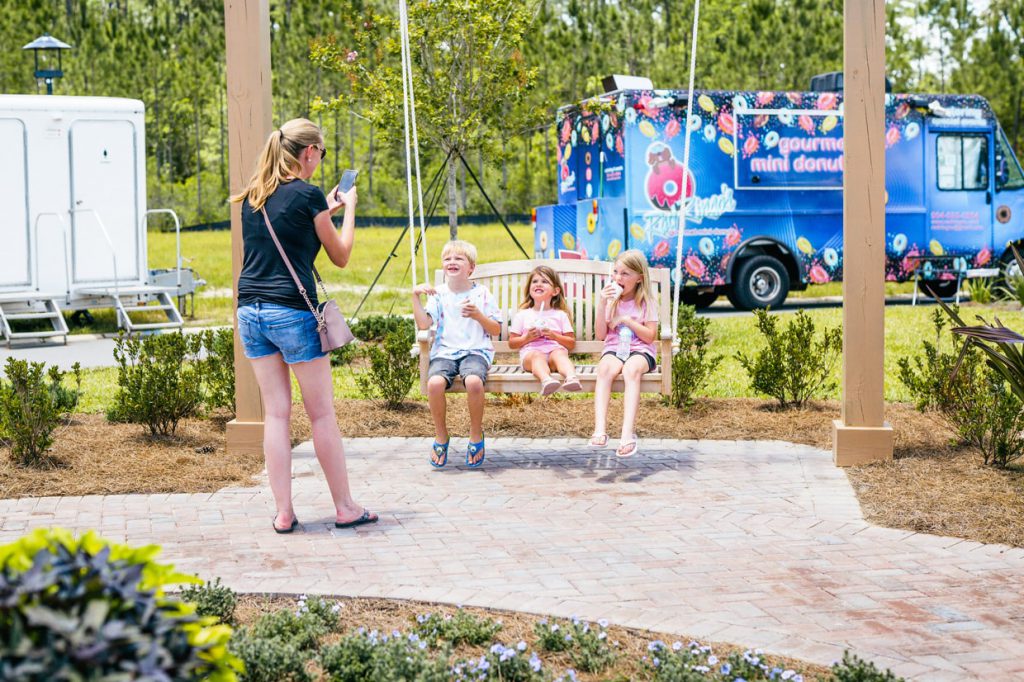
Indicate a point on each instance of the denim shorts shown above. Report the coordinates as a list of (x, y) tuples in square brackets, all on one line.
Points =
[(471, 365), (268, 328)]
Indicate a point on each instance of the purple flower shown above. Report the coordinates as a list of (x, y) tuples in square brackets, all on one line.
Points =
[(602, 622), (725, 669), (521, 646), (535, 662), (351, 56)]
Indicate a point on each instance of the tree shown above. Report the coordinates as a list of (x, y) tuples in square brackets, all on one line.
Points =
[(469, 74)]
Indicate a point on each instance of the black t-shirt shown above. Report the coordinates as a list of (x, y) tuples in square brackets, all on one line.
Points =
[(265, 277)]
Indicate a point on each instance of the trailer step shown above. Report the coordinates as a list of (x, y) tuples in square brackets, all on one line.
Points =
[(163, 304), (39, 308)]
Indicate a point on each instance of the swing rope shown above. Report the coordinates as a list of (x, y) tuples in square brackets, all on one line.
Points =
[(409, 107), (683, 205)]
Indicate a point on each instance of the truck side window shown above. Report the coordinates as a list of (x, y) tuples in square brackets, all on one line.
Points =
[(962, 162), (1008, 172)]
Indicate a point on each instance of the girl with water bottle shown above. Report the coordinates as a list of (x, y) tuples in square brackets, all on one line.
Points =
[(627, 322), (542, 331)]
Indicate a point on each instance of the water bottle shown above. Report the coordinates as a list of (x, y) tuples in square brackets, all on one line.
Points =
[(625, 341)]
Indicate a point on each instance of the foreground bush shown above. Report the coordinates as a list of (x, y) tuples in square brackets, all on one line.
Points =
[(219, 367), (691, 366), (796, 364), (971, 396), (160, 380), (212, 599), (83, 609), (393, 369), (33, 402), (277, 647), (369, 329)]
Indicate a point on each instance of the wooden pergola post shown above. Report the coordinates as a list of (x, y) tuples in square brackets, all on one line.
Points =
[(862, 435), (250, 118)]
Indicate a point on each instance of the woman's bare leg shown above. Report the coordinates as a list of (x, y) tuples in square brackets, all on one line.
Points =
[(276, 388), (318, 397)]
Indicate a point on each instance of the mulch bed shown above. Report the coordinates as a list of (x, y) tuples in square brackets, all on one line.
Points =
[(386, 616), (933, 485)]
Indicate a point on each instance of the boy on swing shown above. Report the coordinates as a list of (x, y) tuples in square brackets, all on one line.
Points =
[(466, 317)]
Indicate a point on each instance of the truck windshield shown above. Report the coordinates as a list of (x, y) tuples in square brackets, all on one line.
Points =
[(1008, 172)]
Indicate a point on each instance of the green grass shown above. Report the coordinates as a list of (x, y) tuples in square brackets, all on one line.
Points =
[(905, 328), (209, 254), (836, 289)]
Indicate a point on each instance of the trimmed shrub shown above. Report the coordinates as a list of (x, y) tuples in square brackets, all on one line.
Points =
[(369, 329), (691, 366), (212, 599), (271, 660), (370, 656), (219, 368), (461, 628), (855, 669), (587, 645), (796, 364), (83, 608), (159, 380), (393, 369), (33, 402), (972, 397)]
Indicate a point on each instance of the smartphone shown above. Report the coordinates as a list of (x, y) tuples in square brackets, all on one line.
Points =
[(348, 179)]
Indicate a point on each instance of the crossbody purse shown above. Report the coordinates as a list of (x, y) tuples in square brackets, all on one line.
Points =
[(330, 323)]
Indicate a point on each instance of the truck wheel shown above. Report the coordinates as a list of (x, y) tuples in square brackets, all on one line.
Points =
[(699, 299), (759, 282), (943, 288)]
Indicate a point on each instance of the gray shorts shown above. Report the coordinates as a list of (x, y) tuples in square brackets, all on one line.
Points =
[(471, 365)]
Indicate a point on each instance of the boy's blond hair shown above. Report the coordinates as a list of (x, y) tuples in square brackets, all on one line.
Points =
[(462, 248)]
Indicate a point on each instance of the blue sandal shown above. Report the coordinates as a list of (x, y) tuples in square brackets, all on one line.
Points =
[(472, 451), (440, 454)]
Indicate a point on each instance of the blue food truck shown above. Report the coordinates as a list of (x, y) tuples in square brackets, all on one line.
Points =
[(763, 192)]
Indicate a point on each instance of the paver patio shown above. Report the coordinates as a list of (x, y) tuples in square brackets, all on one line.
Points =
[(757, 543)]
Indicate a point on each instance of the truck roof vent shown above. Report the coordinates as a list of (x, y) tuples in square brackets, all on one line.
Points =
[(833, 82), (619, 82)]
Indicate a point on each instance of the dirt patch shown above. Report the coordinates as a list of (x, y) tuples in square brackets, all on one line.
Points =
[(933, 485), (386, 616), (95, 457)]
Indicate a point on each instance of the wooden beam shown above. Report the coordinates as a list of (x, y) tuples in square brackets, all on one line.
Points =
[(250, 119), (862, 435)]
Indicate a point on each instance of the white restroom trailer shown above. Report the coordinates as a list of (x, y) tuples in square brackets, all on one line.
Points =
[(73, 223)]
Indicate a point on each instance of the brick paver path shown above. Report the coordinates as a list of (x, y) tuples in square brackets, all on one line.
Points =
[(762, 544)]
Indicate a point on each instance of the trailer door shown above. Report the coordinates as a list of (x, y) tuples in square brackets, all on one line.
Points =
[(16, 270), (104, 194), (959, 193)]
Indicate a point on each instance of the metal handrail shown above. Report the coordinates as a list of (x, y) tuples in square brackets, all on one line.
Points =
[(177, 235), (64, 237), (110, 244)]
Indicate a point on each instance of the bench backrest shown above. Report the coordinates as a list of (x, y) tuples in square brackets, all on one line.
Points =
[(582, 281)]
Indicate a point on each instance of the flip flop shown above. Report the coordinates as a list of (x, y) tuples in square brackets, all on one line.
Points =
[(625, 444), (473, 450), (440, 454), (602, 437), (367, 517), (285, 531)]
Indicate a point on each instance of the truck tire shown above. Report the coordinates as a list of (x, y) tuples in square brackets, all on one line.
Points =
[(699, 299), (759, 282)]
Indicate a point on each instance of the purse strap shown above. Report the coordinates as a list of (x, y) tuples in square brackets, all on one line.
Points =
[(287, 262)]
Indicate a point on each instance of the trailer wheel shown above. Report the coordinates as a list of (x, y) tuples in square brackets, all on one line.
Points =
[(943, 288), (699, 299), (759, 282)]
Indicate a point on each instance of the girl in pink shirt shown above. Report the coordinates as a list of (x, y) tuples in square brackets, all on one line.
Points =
[(627, 322), (542, 331)]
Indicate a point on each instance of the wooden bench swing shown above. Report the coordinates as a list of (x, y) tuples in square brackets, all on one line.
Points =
[(582, 281)]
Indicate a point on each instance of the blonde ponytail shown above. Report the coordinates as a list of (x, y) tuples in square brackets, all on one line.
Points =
[(279, 160)]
